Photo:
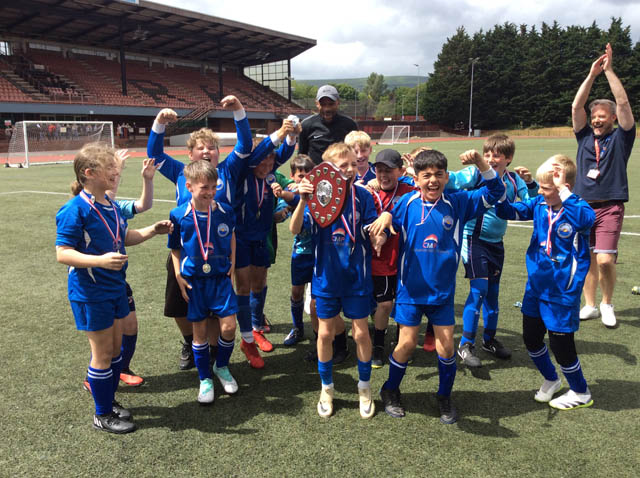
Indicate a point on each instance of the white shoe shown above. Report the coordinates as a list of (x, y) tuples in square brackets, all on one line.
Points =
[(608, 317), (547, 390), (367, 406), (589, 312), (226, 379), (205, 396), (571, 400), (325, 404)]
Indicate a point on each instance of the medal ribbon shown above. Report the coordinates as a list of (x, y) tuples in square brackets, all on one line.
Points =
[(260, 198), (551, 223), (116, 236), (390, 203), (596, 146), (352, 235), (423, 219), (205, 253)]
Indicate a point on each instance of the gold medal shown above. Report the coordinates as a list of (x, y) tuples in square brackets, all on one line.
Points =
[(206, 268)]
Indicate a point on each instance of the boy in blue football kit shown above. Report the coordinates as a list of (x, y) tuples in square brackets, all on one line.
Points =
[(483, 249), (558, 260), (342, 276), (203, 145), (254, 216), (301, 261), (430, 223), (90, 239), (203, 253)]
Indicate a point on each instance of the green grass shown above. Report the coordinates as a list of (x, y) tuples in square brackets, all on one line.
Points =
[(271, 428)]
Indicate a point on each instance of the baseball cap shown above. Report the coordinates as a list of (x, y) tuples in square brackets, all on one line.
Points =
[(327, 91), (390, 158)]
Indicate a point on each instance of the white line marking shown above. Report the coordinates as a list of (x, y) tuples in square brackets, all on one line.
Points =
[(69, 194), (531, 227)]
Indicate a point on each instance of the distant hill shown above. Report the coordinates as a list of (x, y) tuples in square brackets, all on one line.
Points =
[(358, 83)]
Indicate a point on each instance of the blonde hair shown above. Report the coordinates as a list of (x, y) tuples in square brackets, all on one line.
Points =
[(200, 171), (336, 151), (544, 174), (358, 138), (203, 135), (93, 156)]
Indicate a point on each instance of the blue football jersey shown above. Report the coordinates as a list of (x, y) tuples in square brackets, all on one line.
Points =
[(229, 170), (343, 252), (255, 199), (368, 176), (431, 238), (488, 226), (185, 238), (558, 257), (80, 227)]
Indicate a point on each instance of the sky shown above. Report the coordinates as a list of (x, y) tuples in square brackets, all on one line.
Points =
[(355, 38)]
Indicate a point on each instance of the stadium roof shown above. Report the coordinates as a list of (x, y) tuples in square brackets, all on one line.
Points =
[(147, 28)]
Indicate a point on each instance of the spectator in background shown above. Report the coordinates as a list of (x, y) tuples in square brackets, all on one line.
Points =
[(603, 154), (326, 127)]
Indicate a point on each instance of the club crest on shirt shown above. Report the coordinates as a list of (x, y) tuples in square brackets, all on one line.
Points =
[(430, 242), (564, 230), (337, 236), (357, 217), (219, 184), (447, 222), (223, 229), (270, 179)]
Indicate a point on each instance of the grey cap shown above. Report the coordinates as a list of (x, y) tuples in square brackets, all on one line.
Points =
[(390, 158), (327, 91)]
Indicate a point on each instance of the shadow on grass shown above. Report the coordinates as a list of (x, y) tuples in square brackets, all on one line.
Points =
[(274, 390)]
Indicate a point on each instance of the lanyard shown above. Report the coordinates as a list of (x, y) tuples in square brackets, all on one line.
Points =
[(116, 236), (423, 219), (352, 234), (596, 146), (515, 188), (551, 223), (205, 253)]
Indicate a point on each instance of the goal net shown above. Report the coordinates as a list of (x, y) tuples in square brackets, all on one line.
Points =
[(46, 142), (398, 134)]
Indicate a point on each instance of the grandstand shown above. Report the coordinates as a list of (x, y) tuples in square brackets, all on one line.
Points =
[(124, 60)]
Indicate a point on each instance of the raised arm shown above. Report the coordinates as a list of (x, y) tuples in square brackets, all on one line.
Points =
[(305, 188), (578, 113), (623, 108), (146, 197)]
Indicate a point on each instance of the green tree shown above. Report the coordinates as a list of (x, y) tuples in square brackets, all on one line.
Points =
[(375, 87), (346, 92)]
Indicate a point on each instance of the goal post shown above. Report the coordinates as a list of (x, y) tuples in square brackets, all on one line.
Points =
[(46, 142), (395, 134)]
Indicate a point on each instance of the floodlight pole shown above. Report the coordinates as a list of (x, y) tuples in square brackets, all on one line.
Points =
[(417, 89), (473, 63)]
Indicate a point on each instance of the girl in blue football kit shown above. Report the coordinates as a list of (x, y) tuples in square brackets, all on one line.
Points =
[(90, 239)]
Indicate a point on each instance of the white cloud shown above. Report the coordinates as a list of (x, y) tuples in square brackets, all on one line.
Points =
[(358, 37)]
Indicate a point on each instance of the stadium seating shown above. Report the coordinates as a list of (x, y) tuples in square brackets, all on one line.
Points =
[(97, 80)]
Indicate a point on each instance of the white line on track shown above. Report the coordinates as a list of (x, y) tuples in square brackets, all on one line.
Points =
[(512, 224)]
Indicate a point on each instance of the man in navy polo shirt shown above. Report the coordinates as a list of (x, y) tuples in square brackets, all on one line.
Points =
[(603, 154)]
